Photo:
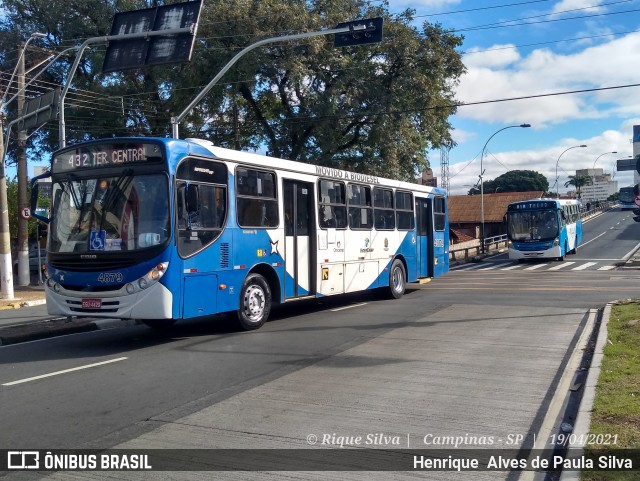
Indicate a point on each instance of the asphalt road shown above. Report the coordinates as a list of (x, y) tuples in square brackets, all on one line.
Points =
[(513, 328)]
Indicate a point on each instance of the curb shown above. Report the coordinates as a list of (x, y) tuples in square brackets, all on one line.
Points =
[(583, 419), (39, 330), (42, 330), (17, 304)]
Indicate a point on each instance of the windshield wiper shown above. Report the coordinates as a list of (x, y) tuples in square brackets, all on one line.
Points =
[(114, 191), (70, 180)]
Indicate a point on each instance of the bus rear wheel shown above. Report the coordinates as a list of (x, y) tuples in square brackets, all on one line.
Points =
[(397, 280), (255, 303), (574, 251)]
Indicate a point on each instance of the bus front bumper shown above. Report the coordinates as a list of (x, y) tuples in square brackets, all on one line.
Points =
[(155, 302), (540, 254)]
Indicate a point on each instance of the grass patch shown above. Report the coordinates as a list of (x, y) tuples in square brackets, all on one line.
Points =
[(616, 409)]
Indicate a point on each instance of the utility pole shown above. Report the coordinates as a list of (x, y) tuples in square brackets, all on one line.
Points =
[(6, 270), (23, 223)]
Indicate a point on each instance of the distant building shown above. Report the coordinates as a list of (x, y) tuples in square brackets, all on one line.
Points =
[(602, 186), (427, 178)]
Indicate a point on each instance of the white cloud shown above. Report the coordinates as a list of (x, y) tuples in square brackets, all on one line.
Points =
[(607, 65), (494, 56), (460, 136), (464, 175), (565, 5)]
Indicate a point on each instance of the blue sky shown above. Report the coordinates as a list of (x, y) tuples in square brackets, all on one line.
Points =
[(519, 48)]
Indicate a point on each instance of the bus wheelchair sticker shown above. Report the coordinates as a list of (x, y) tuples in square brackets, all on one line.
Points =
[(98, 239)]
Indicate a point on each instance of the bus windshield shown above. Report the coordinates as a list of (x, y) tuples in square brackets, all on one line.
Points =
[(126, 212), (532, 225), (626, 195)]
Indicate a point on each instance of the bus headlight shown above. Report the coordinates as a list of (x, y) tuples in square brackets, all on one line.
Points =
[(556, 241), (147, 280)]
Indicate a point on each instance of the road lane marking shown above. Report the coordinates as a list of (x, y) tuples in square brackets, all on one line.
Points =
[(348, 307), (510, 268), (606, 268), (585, 243), (584, 266), (35, 378), (561, 266), (537, 266)]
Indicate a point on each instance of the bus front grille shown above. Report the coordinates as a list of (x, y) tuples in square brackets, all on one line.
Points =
[(532, 246), (81, 265)]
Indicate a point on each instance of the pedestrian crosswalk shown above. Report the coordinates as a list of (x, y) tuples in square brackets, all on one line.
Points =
[(527, 266)]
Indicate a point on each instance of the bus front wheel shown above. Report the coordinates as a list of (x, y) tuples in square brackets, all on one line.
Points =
[(255, 303), (561, 258), (397, 279)]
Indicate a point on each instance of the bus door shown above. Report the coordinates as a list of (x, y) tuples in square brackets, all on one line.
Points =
[(424, 237), (300, 249)]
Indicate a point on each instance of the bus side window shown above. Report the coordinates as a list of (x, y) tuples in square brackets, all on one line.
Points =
[(439, 213), (332, 204), (256, 198)]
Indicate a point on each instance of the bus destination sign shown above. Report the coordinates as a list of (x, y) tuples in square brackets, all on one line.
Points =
[(533, 205), (105, 155)]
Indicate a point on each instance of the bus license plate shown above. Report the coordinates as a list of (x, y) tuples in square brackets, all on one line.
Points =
[(91, 303)]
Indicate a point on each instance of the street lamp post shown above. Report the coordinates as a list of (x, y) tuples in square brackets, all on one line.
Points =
[(558, 161), (481, 183), (593, 178)]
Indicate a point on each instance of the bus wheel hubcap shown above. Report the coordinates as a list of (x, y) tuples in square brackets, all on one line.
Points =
[(397, 279), (254, 303)]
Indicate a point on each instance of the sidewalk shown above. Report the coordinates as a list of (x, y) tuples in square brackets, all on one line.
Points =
[(24, 297)]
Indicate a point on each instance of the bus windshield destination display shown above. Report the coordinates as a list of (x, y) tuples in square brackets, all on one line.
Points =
[(532, 205), (105, 155)]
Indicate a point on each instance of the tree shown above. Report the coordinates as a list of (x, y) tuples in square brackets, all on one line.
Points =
[(578, 181), (376, 108), (12, 201), (515, 181)]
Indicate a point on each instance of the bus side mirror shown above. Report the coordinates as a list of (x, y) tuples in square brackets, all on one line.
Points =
[(34, 198), (192, 198)]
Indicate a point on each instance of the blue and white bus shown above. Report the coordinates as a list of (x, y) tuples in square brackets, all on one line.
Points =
[(544, 228), (626, 198), (165, 229)]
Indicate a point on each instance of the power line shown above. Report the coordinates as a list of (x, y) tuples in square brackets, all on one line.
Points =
[(509, 23), (589, 37)]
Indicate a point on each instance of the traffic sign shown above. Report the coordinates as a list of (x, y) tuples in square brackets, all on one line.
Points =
[(25, 213), (636, 201)]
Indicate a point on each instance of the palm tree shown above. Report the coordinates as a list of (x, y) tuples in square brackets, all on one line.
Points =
[(578, 181)]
